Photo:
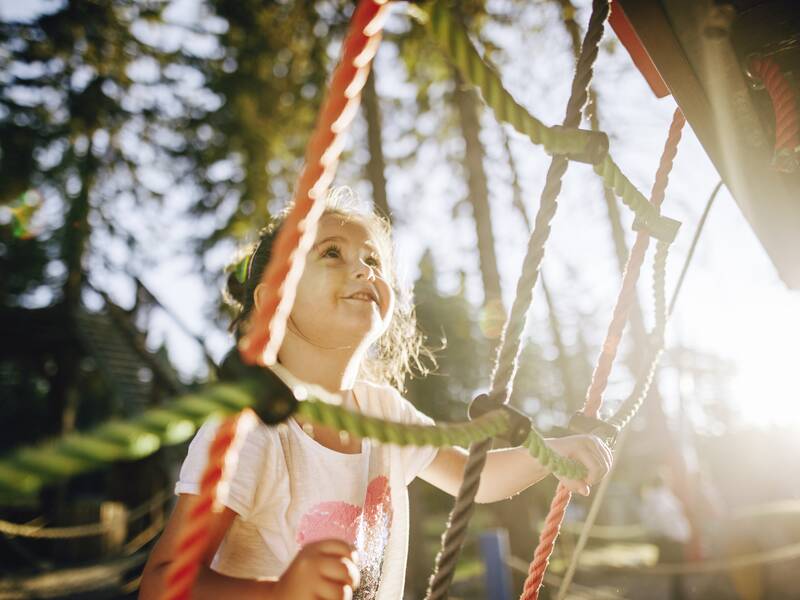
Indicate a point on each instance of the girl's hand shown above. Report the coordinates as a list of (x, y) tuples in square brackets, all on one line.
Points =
[(591, 452), (324, 570)]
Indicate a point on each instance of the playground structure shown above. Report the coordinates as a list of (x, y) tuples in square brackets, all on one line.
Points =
[(492, 416)]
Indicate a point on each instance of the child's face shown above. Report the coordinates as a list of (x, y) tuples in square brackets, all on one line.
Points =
[(343, 297)]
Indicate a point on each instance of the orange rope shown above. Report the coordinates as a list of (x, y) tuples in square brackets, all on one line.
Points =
[(626, 298), (784, 104), (195, 530), (266, 327)]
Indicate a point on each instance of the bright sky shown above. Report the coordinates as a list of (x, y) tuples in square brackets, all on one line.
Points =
[(733, 304)]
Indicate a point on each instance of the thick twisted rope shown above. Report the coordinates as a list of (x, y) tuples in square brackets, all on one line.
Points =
[(605, 362), (511, 339), (567, 139), (784, 105), (267, 326), (453, 38), (442, 434), (195, 530)]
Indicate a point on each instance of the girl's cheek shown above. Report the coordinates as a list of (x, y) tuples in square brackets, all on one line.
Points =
[(387, 298)]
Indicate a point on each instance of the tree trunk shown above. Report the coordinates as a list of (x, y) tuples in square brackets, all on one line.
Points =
[(376, 166), (467, 104), (76, 234)]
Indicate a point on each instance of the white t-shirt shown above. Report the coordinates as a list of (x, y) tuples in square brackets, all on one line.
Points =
[(289, 490)]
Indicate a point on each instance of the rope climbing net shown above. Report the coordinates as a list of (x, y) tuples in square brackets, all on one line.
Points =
[(264, 333)]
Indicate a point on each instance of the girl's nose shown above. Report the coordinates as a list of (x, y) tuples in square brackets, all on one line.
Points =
[(363, 270)]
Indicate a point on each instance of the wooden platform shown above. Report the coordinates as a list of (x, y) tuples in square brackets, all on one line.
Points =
[(700, 56)]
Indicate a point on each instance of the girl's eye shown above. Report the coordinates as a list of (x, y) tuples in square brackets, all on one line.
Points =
[(373, 261), (332, 252)]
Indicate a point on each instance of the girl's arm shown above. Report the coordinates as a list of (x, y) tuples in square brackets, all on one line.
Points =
[(510, 470), (209, 583), (322, 569)]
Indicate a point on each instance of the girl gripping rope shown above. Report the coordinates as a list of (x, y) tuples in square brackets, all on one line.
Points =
[(312, 514)]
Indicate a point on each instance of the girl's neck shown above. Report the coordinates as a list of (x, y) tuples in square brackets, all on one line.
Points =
[(332, 369)]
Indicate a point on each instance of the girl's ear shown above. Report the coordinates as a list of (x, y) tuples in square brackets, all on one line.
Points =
[(259, 295)]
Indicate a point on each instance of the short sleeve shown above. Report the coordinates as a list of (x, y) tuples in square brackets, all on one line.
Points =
[(247, 471), (415, 459)]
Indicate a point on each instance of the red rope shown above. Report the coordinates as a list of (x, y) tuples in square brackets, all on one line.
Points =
[(784, 105), (266, 327), (605, 362), (195, 530)]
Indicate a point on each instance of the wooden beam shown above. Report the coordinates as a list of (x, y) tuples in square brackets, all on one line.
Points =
[(706, 80)]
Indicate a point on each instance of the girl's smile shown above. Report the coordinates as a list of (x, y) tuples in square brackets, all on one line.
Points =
[(343, 299)]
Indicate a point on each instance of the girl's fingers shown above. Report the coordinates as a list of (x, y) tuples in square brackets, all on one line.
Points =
[(595, 465), (341, 570)]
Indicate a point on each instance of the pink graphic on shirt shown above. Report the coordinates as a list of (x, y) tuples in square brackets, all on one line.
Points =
[(329, 520), (367, 529)]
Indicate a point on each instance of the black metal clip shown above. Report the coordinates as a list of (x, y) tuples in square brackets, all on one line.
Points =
[(519, 423), (580, 423), (275, 403), (660, 227), (593, 152)]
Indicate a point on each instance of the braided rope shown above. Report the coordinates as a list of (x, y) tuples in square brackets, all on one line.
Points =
[(267, 326), (511, 338), (633, 403), (605, 362), (476, 431), (403, 434), (194, 532), (784, 105), (453, 37)]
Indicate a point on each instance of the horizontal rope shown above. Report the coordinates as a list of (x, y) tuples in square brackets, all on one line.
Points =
[(177, 422), (442, 434), (77, 531), (774, 555), (593, 593), (403, 434)]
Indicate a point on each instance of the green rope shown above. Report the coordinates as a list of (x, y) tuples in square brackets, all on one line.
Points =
[(615, 179), (403, 434), (28, 469), (453, 37), (552, 461)]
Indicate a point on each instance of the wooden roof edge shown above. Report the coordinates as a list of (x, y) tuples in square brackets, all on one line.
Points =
[(707, 83)]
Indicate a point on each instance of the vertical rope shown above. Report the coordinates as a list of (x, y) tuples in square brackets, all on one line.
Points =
[(511, 339), (267, 325), (194, 534), (784, 105), (626, 298)]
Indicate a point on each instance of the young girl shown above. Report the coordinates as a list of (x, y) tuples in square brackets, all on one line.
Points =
[(310, 513)]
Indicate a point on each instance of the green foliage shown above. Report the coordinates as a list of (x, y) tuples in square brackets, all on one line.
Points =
[(450, 325)]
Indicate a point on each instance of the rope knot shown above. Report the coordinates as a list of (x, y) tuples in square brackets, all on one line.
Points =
[(276, 401), (519, 424), (581, 423), (656, 225)]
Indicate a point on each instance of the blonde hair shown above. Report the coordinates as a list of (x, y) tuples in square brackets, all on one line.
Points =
[(400, 351)]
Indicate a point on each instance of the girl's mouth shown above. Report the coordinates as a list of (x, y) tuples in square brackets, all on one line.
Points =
[(363, 296)]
